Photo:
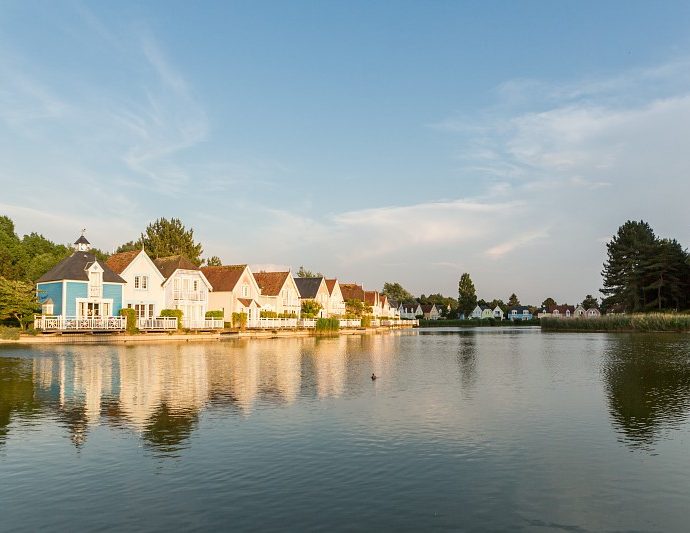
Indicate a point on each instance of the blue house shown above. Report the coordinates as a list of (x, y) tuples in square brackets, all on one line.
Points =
[(519, 312), (80, 292)]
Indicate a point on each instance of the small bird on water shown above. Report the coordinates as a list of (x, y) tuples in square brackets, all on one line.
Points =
[(373, 377)]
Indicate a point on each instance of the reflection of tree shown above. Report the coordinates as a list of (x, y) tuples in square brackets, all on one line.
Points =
[(16, 392), (168, 429), (648, 384), (467, 361)]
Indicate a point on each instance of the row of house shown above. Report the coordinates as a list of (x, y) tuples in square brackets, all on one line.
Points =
[(517, 312), (83, 292), (569, 311)]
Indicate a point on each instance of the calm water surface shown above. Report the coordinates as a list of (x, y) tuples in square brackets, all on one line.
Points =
[(473, 430)]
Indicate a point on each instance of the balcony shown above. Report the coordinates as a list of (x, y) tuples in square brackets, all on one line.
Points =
[(73, 323), (157, 324), (189, 295)]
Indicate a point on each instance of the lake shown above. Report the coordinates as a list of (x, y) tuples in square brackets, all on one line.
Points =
[(486, 429)]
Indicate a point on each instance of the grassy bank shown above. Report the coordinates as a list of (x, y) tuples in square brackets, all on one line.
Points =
[(638, 322), (486, 323)]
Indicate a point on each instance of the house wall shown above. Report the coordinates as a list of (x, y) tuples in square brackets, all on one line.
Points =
[(336, 304), (192, 309), (74, 290), (153, 294), (52, 290), (113, 291)]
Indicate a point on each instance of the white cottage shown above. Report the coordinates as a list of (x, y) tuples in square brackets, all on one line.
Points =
[(279, 293), (336, 303), (186, 288), (234, 291)]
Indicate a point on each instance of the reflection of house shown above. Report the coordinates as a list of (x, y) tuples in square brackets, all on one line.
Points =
[(234, 291), (185, 288), (336, 303), (80, 292), (278, 292), (314, 289), (144, 290)]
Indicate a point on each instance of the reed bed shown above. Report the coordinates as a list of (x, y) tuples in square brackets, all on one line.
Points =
[(327, 325), (633, 322)]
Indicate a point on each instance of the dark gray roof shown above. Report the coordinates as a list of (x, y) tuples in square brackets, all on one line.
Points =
[(81, 240), (74, 267), (308, 287), (519, 308)]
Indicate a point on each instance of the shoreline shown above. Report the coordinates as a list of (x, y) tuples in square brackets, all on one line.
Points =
[(106, 339)]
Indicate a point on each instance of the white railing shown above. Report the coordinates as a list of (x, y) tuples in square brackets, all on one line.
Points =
[(194, 296), (162, 323), (73, 323), (350, 322), (275, 323), (203, 323), (307, 323)]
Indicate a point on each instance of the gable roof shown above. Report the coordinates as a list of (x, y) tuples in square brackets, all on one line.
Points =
[(562, 309), (119, 262), (426, 308), (410, 308), (81, 240), (247, 302), (270, 283), (75, 266), (352, 291), (520, 309), (330, 285), (308, 287), (370, 297), (223, 278), (168, 265)]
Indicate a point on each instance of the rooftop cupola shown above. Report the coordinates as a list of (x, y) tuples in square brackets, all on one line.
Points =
[(81, 244)]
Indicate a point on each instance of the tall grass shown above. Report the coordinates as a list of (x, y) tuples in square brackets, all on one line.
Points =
[(487, 322), (634, 322), (8, 333), (327, 325)]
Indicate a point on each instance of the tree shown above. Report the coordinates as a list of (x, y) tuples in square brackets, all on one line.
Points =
[(498, 303), (18, 301), (549, 303), (165, 237), (590, 302), (354, 307), (310, 308), (214, 261), (626, 266), (129, 247), (467, 295), (513, 300), (304, 273), (666, 275), (12, 254), (396, 292)]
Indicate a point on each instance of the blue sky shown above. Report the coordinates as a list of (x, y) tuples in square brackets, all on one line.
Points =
[(373, 141)]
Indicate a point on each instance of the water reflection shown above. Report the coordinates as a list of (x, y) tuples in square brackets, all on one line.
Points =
[(647, 381), (467, 362), (158, 392)]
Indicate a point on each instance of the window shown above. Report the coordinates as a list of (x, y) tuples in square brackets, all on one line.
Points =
[(48, 309), (245, 290), (150, 310), (137, 282), (144, 282), (196, 285)]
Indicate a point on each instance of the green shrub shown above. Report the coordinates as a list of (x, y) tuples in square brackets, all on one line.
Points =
[(366, 321), (326, 325), (176, 313), (9, 333), (239, 320), (268, 314), (215, 314), (131, 316)]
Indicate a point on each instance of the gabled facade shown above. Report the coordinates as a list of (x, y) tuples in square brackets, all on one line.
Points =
[(185, 288), (580, 311), (592, 312), (336, 303), (562, 311), (482, 311), (279, 292), (410, 311), (144, 289), (314, 289), (81, 286), (430, 312), (373, 299), (498, 313), (519, 312), (234, 291)]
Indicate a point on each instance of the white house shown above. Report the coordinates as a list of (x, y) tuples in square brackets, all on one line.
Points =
[(482, 311), (279, 293), (186, 288), (234, 291), (592, 312), (430, 312), (498, 313), (410, 311), (314, 289), (336, 303), (373, 299), (144, 289)]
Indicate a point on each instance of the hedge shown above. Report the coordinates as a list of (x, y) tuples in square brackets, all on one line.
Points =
[(176, 313)]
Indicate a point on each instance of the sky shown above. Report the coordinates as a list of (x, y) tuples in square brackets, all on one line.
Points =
[(371, 141)]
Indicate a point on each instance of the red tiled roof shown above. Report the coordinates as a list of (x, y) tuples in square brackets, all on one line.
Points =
[(562, 309), (223, 278), (330, 284), (352, 291), (247, 302), (118, 262), (370, 297), (270, 283)]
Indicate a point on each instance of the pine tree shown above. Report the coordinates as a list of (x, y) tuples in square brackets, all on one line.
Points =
[(165, 237), (513, 301)]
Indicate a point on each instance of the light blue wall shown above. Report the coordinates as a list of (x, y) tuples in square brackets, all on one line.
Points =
[(114, 291), (52, 290), (75, 289)]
